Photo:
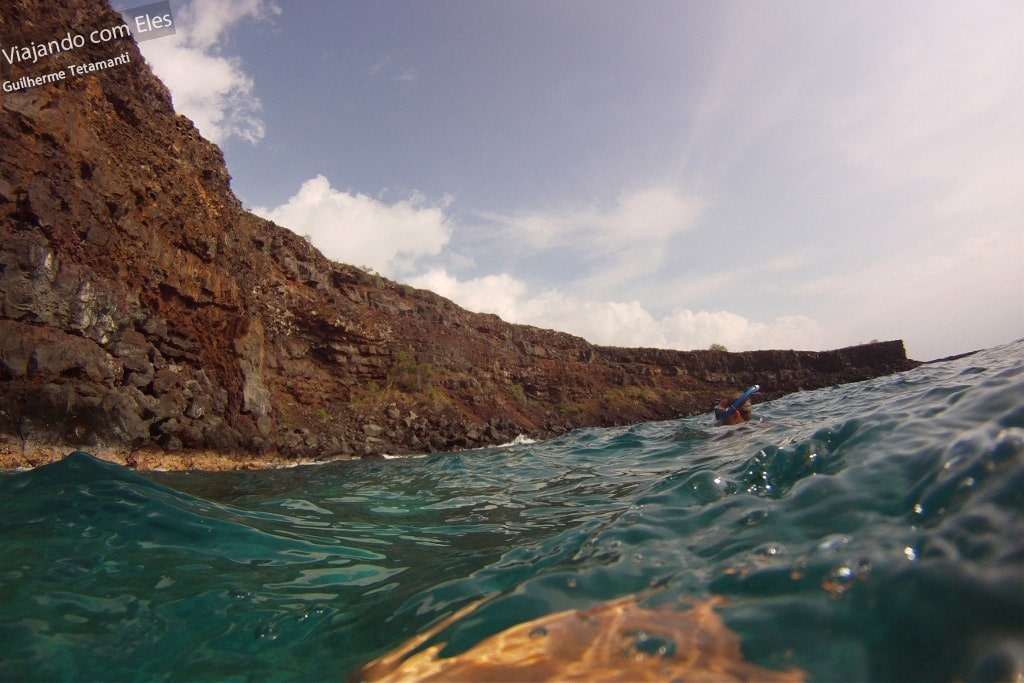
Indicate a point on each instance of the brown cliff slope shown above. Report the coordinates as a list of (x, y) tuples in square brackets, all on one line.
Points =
[(143, 312)]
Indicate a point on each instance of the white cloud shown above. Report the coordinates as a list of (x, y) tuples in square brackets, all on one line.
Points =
[(630, 237), (616, 244), (211, 89), (361, 230), (500, 294), (407, 76), (208, 19), (686, 329), (614, 323), (645, 216)]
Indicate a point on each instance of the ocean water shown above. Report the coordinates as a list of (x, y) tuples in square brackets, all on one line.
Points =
[(870, 531)]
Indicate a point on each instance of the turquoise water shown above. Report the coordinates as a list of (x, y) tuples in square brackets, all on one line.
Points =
[(872, 531)]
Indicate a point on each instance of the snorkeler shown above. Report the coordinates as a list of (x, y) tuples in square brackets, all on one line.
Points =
[(736, 409)]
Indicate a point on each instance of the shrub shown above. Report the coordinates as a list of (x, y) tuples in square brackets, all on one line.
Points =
[(408, 376)]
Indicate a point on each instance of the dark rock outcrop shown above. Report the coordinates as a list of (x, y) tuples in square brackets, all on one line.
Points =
[(144, 312)]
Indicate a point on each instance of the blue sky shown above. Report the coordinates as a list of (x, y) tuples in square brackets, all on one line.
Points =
[(758, 174)]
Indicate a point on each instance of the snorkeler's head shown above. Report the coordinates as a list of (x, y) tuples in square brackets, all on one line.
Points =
[(736, 408)]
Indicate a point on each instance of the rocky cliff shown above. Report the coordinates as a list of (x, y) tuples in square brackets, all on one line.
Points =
[(145, 316)]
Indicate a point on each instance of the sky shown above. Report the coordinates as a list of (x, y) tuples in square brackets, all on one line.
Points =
[(760, 175)]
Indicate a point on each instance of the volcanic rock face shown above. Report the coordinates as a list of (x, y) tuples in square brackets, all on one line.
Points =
[(143, 311)]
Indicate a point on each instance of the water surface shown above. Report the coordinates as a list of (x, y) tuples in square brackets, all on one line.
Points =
[(870, 531)]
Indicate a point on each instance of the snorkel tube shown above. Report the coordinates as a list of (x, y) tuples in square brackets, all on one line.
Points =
[(722, 415)]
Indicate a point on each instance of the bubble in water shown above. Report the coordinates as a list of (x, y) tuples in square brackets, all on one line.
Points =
[(833, 544), (643, 644), (770, 550), (839, 580)]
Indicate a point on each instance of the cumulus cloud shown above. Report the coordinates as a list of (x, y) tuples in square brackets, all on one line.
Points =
[(616, 323), (500, 294), (210, 88), (686, 329), (629, 236), (363, 231)]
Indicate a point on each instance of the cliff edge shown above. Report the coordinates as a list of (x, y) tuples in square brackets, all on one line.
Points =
[(146, 317)]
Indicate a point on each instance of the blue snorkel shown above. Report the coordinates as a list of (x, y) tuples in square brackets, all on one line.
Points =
[(722, 415)]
